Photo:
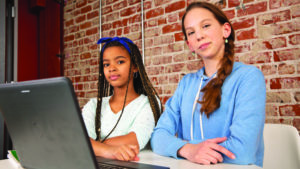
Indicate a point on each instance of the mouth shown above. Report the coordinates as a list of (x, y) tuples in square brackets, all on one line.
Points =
[(204, 46), (114, 77)]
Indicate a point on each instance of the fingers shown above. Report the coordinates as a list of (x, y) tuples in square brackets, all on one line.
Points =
[(223, 150), (126, 152), (217, 140)]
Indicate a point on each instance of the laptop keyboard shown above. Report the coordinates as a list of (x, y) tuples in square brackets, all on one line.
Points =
[(111, 166)]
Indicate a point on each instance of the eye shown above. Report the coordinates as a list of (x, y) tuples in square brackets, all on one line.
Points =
[(105, 64), (120, 62), (206, 26), (190, 33)]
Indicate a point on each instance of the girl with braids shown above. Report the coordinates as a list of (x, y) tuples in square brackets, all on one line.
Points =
[(122, 117), (216, 114)]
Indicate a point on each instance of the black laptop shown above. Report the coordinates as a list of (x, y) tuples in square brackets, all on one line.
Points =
[(47, 130)]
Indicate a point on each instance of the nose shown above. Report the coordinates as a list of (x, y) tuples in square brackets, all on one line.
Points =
[(199, 35), (112, 68)]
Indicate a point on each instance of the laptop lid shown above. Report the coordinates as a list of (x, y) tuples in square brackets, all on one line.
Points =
[(44, 121)]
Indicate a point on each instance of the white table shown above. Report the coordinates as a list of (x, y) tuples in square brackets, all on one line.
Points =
[(149, 157)]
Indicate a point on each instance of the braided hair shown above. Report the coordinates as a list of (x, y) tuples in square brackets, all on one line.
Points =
[(212, 91), (141, 83)]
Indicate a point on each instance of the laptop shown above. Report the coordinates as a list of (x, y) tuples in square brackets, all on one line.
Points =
[(46, 127)]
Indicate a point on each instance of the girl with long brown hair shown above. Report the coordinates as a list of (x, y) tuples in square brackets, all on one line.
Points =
[(216, 114), (122, 117)]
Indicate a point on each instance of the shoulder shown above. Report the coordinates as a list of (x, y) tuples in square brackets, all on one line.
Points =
[(242, 72)]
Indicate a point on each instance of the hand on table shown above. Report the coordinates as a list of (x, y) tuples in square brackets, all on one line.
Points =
[(206, 152)]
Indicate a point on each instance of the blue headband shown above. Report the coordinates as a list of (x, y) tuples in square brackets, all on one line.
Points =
[(122, 40)]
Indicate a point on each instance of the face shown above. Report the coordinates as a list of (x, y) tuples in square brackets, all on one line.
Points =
[(116, 65), (205, 35)]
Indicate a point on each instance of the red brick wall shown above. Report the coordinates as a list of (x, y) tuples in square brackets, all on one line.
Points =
[(267, 33)]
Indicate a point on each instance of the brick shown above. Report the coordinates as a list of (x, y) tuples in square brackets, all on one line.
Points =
[(243, 23), (169, 89), (242, 48), (285, 83), (154, 12), (106, 27), (119, 5), (135, 19), (175, 6), (287, 54), (69, 23), (86, 9), (163, 79), (295, 11), (254, 57), (298, 68), (108, 2), (171, 28), (282, 3), (161, 2), (245, 34), (294, 39), (80, 3), (85, 25), (152, 32), (69, 38), (135, 28), (161, 21), (271, 110), (161, 60), (296, 123), (92, 14), (119, 32), (290, 110), (151, 23), (153, 51), (230, 14), (165, 39), (274, 17), (80, 19), (186, 56), (178, 67), (174, 47), (285, 68), (172, 18), (155, 70), (274, 43), (235, 3), (179, 36), (269, 69), (252, 9), (92, 31), (279, 29), (278, 97), (154, 80), (106, 10), (128, 11), (174, 79)]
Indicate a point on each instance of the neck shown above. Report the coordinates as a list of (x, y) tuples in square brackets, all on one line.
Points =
[(211, 67), (119, 94)]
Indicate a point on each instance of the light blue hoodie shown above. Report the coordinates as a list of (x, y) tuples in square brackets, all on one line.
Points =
[(240, 117)]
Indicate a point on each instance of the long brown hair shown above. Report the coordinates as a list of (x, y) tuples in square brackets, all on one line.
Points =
[(212, 91), (141, 83)]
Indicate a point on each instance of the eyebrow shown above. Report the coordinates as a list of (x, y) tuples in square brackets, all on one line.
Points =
[(118, 57)]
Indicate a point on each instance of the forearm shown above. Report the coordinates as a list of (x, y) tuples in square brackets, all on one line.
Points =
[(129, 138), (100, 149)]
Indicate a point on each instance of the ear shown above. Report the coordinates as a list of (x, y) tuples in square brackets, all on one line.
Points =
[(226, 30), (190, 46)]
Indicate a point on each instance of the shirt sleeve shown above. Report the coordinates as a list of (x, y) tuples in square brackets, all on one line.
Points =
[(143, 125), (88, 115), (163, 140), (246, 130)]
